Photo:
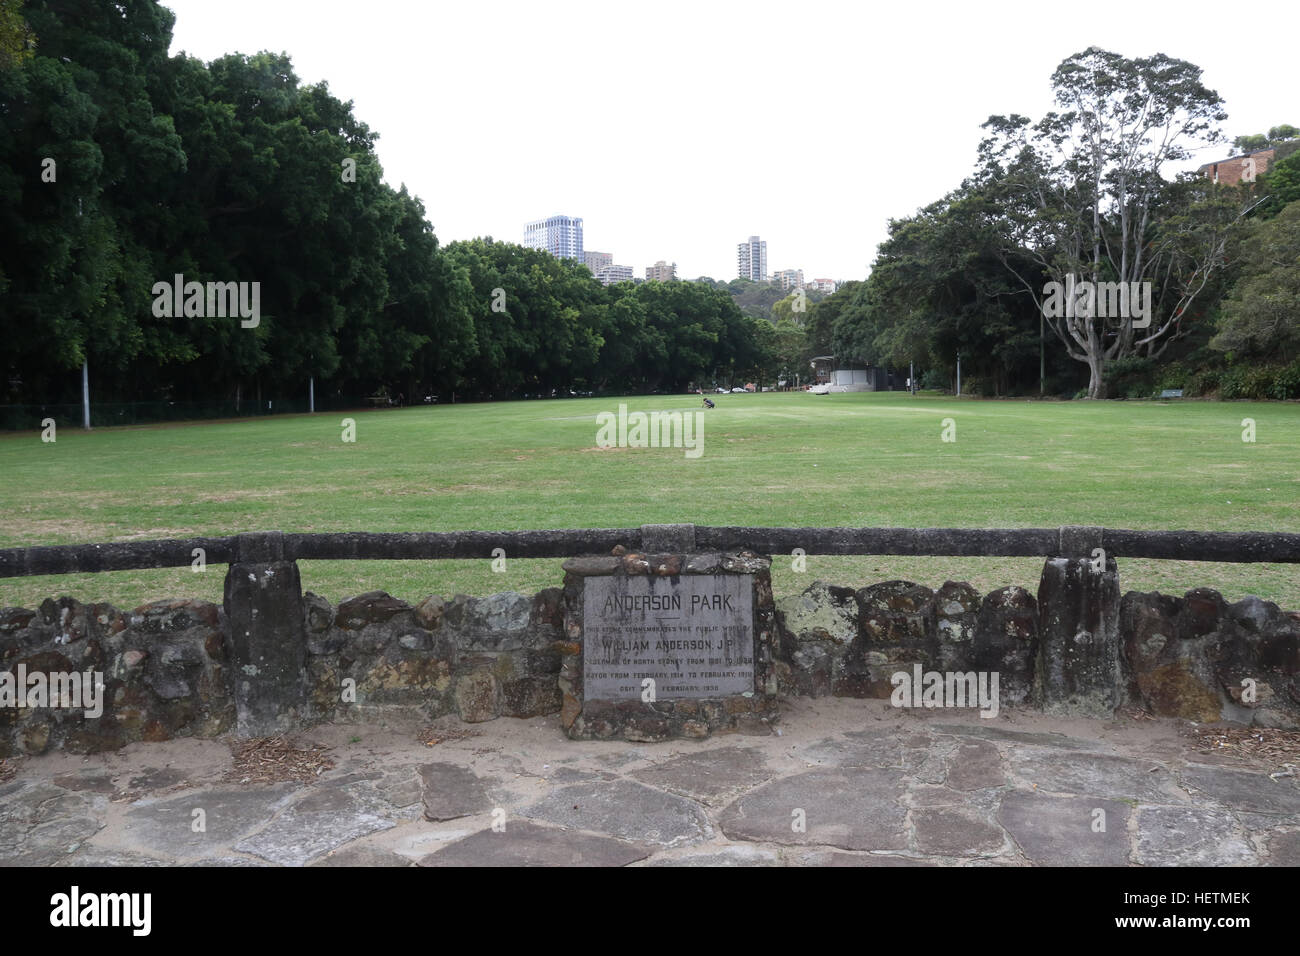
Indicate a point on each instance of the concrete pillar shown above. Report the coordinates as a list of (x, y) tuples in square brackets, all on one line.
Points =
[(264, 611), (1077, 672)]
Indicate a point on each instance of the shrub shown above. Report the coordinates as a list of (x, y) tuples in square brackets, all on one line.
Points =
[(935, 379), (1173, 375), (1204, 382), (1286, 382)]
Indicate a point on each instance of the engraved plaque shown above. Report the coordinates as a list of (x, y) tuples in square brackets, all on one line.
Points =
[(693, 634)]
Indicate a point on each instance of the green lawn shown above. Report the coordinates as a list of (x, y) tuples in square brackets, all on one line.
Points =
[(770, 459)]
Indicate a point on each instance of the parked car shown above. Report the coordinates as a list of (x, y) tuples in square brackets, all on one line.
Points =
[(820, 389), (738, 389), (720, 390)]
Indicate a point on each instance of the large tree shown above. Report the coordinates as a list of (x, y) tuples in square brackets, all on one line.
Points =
[(1260, 319), (1084, 198)]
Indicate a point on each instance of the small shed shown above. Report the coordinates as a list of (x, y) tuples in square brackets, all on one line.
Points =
[(852, 376)]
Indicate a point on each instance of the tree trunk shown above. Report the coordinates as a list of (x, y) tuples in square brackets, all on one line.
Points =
[(1096, 381)]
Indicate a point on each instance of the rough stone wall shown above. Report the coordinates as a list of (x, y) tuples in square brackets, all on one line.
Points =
[(1201, 658), (848, 643), (1195, 657), (165, 670), (170, 669), (480, 658)]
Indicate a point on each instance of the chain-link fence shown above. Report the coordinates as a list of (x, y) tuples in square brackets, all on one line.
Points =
[(106, 414)]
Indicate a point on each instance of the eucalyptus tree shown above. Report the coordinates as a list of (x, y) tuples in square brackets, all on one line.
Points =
[(1084, 199)]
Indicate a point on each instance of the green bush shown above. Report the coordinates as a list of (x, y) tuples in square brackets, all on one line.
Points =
[(1232, 384), (936, 380), (1173, 375), (1244, 382), (1286, 382), (1202, 383)]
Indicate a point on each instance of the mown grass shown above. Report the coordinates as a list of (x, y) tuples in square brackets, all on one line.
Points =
[(769, 459)]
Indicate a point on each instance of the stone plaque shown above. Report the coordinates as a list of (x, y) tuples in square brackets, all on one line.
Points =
[(693, 634)]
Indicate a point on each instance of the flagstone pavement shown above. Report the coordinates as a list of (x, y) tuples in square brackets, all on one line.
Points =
[(843, 783)]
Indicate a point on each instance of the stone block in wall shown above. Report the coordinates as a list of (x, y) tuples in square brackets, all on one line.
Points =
[(816, 629), (956, 610), (1077, 673), (897, 629), (379, 650), (1199, 658), (1256, 660), (267, 625), (1165, 657), (1006, 641), (822, 612), (897, 612)]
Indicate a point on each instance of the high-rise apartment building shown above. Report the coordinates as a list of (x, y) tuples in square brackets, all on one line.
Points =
[(751, 259), (561, 236), (661, 272), (595, 261), (789, 279), (823, 285), (610, 274)]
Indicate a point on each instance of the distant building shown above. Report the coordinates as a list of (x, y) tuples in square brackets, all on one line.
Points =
[(608, 275), (751, 259), (561, 236), (661, 272), (789, 279), (823, 285), (855, 376), (1248, 166), (595, 261)]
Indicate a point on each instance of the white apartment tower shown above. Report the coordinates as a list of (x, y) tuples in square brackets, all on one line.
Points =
[(751, 259), (561, 236)]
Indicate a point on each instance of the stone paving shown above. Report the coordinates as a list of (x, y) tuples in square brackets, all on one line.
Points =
[(844, 783)]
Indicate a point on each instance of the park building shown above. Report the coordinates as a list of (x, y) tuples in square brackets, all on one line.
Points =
[(561, 236), (845, 376), (751, 259)]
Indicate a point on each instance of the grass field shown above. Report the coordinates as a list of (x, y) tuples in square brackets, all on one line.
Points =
[(768, 459)]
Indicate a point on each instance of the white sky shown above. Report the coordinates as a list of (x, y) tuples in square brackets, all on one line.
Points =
[(677, 129)]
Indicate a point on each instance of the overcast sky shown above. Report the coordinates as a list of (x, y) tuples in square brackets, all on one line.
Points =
[(676, 130)]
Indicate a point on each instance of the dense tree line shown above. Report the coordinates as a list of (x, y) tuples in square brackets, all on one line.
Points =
[(122, 167), (1080, 194)]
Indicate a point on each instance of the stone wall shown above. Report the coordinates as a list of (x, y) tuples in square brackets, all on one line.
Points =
[(176, 668), (168, 667), (1195, 657)]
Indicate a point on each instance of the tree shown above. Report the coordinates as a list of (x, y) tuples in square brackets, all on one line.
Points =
[(1278, 134), (1282, 185), (16, 38), (1261, 317), (1083, 198)]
